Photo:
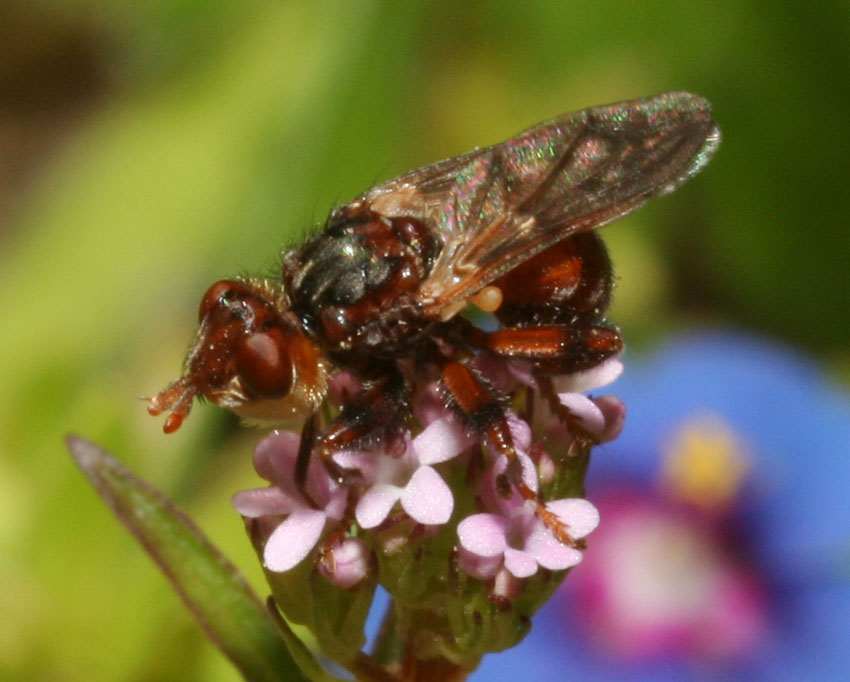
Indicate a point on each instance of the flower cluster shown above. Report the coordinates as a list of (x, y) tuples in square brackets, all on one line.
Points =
[(434, 521)]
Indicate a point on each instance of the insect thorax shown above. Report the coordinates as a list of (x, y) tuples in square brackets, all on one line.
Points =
[(354, 286)]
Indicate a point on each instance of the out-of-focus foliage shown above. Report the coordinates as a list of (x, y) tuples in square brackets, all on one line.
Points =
[(149, 148)]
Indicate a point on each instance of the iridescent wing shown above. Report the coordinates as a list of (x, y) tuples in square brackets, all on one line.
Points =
[(498, 206)]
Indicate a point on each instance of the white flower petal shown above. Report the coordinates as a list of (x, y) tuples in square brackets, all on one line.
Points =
[(552, 554), (264, 502), (542, 544), (293, 539), (579, 515), (483, 534), (521, 371), (440, 441), (364, 463), (520, 432), (275, 455), (376, 504), (614, 413), (585, 411), (519, 563), (427, 498), (590, 379), (481, 567)]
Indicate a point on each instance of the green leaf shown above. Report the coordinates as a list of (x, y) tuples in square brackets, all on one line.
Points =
[(214, 591)]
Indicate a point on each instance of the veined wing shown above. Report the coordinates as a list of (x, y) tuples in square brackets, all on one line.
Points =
[(498, 206)]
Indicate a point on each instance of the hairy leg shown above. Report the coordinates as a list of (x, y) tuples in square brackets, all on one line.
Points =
[(379, 413)]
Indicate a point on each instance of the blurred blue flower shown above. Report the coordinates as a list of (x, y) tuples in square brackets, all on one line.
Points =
[(724, 549)]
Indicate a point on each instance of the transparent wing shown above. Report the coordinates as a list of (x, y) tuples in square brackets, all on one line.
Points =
[(498, 206)]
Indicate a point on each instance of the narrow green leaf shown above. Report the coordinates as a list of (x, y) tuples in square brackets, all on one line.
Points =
[(211, 587)]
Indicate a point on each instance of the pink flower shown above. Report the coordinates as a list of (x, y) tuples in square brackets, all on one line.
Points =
[(303, 521), (601, 417), (521, 542), (347, 564), (491, 494), (660, 581), (505, 541), (409, 479)]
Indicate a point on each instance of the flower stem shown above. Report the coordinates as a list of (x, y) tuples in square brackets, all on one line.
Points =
[(367, 670), (432, 670)]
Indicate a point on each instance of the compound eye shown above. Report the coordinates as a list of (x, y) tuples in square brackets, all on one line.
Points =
[(224, 288), (264, 365)]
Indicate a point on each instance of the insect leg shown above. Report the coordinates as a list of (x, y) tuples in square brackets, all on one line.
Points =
[(378, 414), (557, 349), (480, 407), (305, 448)]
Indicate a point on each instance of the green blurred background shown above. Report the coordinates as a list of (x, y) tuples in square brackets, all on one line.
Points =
[(147, 149)]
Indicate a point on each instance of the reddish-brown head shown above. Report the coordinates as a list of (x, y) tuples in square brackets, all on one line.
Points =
[(249, 356)]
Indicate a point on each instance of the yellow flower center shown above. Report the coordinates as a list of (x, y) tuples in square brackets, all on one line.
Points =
[(705, 462)]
